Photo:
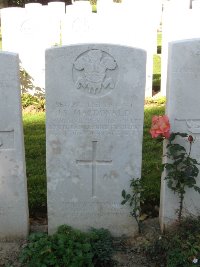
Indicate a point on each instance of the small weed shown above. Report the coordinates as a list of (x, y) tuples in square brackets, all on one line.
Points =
[(135, 199)]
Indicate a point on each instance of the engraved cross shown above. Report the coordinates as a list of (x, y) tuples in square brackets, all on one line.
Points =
[(94, 161)]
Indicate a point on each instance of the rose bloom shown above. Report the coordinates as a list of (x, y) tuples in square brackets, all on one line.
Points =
[(160, 126)]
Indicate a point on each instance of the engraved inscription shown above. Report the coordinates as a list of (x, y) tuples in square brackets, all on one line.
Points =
[(7, 139), (94, 119), (193, 126), (94, 163), (29, 27), (95, 72), (94, 208)]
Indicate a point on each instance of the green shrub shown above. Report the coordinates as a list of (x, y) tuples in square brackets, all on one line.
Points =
[(36, 101), (68, 248), (102, 247), (179, 246)]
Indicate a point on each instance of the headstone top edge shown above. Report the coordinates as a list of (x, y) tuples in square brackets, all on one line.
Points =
[(95, 46), (12, 8), (184, 41), (11, 54)]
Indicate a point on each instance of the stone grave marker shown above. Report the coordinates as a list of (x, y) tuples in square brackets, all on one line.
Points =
[(33, 44), (183, 110), (176, 26), (196, 4), (56, 12), (13, 189), (94, 128), (11, 20)]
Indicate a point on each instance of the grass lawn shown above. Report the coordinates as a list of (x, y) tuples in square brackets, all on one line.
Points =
[(156, 70), (34, 132), (152, 158), (34, 135), (159, 42)]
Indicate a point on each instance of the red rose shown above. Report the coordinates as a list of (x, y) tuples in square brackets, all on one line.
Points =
[(160, 126)]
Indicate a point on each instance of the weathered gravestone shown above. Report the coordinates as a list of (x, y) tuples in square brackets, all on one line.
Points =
[(196, 4), (180, 25), (183, 109), (95, 102), (13, 189)]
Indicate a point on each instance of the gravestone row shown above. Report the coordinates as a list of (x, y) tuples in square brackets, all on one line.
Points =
[(94, 106), (30, 30), (94, 127)]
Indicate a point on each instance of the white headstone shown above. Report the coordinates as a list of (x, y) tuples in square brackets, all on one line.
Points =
[(177, 26), (11, 20), (196, 4), (95, 105), (77, 23), (34, 40), (25, 31), (13, 187), (183, 110), (56, 13)]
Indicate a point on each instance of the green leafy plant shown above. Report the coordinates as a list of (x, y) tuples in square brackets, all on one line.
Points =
[(38, 102), (134, 200), (178, 247), (102, 247), (182, 171), (68, 248), (181, 168)]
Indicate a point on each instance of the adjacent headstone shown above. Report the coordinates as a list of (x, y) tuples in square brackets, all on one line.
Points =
[(13, 188), (76, 24), (56, 13), (183, 110), (196, 4), (94, 128), (180, 25), (25, 31), (11, 20), (34, 40)]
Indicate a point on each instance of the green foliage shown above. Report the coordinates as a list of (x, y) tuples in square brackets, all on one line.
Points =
[(160, 100), (37, 102), (182, 170), (159, 43), (19, 3), (134, 200), (70, 248), (102, 247), (178, 247)]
